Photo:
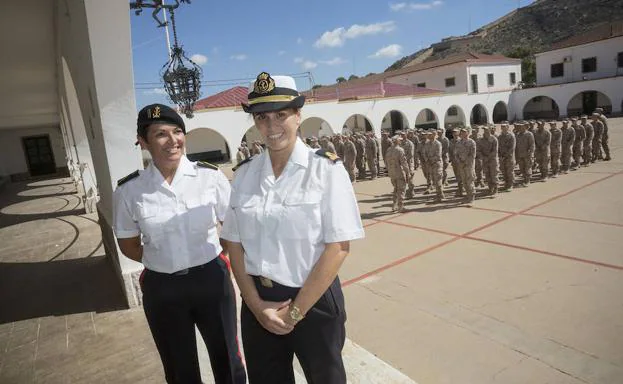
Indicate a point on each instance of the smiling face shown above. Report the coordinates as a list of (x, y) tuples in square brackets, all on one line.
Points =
[(165, 143), (278, 128)]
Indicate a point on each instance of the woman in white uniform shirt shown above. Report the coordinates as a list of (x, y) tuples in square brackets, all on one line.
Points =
[(292, 215), (165, 217)]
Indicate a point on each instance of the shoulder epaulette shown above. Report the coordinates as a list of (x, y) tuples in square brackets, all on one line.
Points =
[(329, 155), (205, 164), (127, 178), (243, 162)]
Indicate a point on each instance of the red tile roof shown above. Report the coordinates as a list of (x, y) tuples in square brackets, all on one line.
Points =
[(231, 97)]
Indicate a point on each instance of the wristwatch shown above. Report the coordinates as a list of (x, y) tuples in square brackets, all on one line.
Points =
[(295, 313)]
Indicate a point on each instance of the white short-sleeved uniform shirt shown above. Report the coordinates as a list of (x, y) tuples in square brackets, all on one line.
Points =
[(284, 224), (177, 222)]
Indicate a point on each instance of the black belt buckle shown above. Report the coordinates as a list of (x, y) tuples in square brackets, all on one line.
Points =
[(181, 272)]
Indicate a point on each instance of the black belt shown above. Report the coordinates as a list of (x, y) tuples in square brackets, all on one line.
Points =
[(181, 272)]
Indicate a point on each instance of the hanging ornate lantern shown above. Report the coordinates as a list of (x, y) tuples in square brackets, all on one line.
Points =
[(181, 76)]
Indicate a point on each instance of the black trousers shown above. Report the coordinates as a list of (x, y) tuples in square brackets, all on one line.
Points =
[(317, 340), (175, 303)]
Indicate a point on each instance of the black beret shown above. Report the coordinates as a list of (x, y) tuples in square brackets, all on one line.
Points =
[(158, 113)]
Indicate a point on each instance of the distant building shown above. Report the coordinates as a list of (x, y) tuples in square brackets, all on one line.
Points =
[(593, 55), (462, 73)]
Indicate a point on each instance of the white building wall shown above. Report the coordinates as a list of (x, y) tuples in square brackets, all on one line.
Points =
[(13, 153), (435, 78), (605, 51), (563, 93), (501, 76)]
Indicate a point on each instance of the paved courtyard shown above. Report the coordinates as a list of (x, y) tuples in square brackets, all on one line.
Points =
[(523, 288)]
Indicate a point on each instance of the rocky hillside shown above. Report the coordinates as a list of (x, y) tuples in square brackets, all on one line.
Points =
[(533, 28)]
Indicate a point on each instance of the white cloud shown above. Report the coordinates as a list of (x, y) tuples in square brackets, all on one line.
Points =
[(334, 61), (298, 60), (281, 53), (307, 65), (338, 36), (391, 50), (334, 38), (239, 57), (415, 6), (299, 41), (371, 29), (199, 59)]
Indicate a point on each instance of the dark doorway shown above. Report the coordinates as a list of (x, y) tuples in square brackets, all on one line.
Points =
[(397, 124), (39, 155), (589, 102), (474, 83)]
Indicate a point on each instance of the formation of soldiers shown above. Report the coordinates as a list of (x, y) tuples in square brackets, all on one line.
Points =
[(245, 151), (480, 155)]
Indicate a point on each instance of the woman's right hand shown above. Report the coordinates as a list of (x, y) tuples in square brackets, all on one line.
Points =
[(271, 314)]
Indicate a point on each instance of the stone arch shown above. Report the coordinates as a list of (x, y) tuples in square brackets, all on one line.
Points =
[(315, 126), (426, 119), (357, 123), (454, 117), (207, 144), (394, 121), (478, 115), (541, 107), (585, 103), (500, 112)]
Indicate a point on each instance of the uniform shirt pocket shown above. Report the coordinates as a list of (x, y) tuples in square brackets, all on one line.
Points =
[(245, 207), (150, 223), (302, 215)]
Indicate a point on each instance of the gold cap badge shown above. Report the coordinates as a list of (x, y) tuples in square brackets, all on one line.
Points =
[(264, 83)]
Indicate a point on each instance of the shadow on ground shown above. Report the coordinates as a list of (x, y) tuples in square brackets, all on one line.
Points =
[(77, 279)]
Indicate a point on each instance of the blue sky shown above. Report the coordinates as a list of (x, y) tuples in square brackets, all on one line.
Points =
[(329, 38)]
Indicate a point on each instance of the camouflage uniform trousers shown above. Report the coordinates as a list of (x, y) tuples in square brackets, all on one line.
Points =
[(490, 170), (435, 170), (457, 176), (577, 153), (444, 177), (399, 193), (425, 172), (478, 169), (542, 159), (466, 174), (410, 186), (555, 162), (507, 167), (372, 167), (596, 150), (604, 145), (588, 151), (350, 168), (525, 168), (361, 166), (565, 159)]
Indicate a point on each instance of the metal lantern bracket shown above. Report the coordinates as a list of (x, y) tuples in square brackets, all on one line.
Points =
[(181, 76)]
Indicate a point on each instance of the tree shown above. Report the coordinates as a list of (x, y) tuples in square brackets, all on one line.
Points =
[(353, 77), (317, 86), (340, 79), (528, 63)]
